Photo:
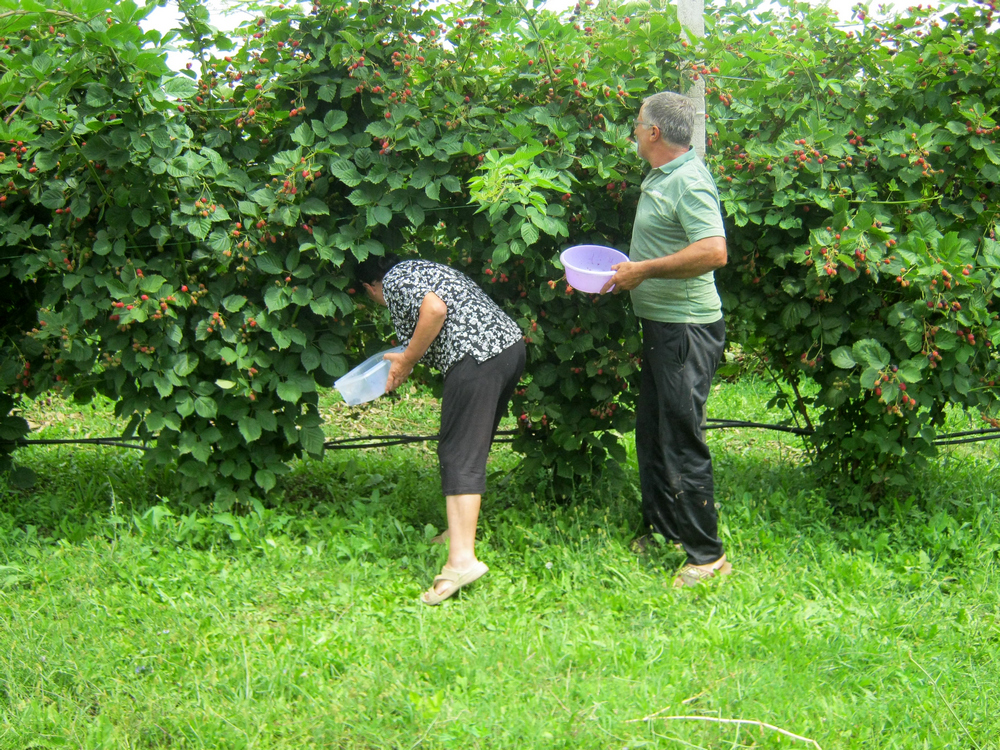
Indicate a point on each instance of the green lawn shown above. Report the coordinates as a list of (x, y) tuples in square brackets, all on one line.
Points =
[(129, 621)]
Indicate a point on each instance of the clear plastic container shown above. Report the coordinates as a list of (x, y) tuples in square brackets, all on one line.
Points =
[(588, 267), (366, 382)]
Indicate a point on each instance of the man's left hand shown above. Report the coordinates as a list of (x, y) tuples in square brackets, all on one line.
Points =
[(628, 276)]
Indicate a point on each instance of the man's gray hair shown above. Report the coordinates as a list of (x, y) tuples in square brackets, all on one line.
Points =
[(673, 114)]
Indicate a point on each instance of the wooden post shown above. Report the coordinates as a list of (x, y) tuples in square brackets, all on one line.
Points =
[(691, 14)]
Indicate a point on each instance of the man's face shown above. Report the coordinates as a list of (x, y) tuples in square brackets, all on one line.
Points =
[(641, 134)]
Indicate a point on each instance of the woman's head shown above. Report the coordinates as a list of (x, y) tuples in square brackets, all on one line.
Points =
[(370, 272)]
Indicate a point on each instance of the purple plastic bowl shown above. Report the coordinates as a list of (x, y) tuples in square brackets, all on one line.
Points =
[(588, 267)]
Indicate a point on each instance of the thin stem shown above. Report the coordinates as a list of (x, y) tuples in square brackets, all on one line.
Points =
[(714, 720), (538, 38), (7, 120), (58, 13), (798, 399)]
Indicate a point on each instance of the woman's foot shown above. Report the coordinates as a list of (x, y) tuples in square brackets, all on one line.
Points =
[(451, 580)]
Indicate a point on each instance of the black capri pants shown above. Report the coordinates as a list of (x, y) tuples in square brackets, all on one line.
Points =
[(474, 401)]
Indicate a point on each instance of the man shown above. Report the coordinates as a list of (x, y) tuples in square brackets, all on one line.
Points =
[(449, 323), (678, 240)]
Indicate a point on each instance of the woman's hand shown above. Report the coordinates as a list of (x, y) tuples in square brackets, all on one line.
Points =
[(399, 370)]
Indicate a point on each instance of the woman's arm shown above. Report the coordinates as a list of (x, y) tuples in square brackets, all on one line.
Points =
[(430, 321)]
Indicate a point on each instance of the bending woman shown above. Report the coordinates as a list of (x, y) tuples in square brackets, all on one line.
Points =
[(448, 322)]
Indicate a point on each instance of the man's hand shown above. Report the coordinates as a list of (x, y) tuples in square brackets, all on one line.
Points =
[(628, 276), (399, 370)]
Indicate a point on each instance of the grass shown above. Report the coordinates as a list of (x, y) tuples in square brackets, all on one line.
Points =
[(128, 620)]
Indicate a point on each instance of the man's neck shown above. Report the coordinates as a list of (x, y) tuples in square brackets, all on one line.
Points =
[(666, 154)]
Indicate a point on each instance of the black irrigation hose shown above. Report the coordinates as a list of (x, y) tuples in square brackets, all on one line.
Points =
[(718, 424), (980, 439), (384, 441), (507, 436), (113, 442)]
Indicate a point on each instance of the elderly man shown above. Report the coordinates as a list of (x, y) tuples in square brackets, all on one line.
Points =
[(678, 240)]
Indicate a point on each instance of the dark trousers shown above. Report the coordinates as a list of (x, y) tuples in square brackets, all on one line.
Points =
[(474, 401), (675, 466)]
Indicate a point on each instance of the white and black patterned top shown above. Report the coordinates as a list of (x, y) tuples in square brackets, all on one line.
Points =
[(475, 324)]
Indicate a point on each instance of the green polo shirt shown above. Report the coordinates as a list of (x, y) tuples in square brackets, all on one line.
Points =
[(679, 205)]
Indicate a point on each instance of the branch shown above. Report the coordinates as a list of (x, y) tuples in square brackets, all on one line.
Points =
[(9, 118), (727, 721), (59, 13), (538, 38)]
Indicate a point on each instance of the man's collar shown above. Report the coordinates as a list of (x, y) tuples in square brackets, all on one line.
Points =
[(678, 161)]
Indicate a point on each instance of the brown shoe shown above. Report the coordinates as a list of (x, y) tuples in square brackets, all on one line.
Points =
[(693, 575)]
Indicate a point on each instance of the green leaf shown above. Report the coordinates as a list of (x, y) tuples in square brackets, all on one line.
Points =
[(910, 371), (97, 96), (289, 391), (872, 353), (501, 254), (310, 358), (842, 358), (312, 440), (185, 363), (314, 207), (249, 428), (382, 214), (151, 284), (141, 217), (206, 407), (334, 120), (992, 152), (179, 87), (269, 263), (265, 479), (303, 135), (275, 299), (333, 365), (346, 172), (415, 214)]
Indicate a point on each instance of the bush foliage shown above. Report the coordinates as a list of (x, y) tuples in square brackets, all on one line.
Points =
[(184, 241)]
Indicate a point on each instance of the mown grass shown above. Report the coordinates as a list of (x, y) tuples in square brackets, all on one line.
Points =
[(128, 620)]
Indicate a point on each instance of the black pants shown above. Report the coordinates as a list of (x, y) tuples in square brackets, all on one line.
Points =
[(675, 466), (474, 401)]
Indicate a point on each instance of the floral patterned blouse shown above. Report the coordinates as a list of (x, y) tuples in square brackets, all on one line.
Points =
[(475, 325)]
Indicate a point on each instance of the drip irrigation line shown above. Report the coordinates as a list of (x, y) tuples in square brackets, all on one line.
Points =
[(384, 441), (504, 436), (718, 424), (979, 439), (113, 442)]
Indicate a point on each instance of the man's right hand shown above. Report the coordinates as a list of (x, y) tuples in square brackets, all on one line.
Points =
[(628, 276)]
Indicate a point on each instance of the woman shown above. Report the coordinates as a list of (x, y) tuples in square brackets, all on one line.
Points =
[(449, 323)]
